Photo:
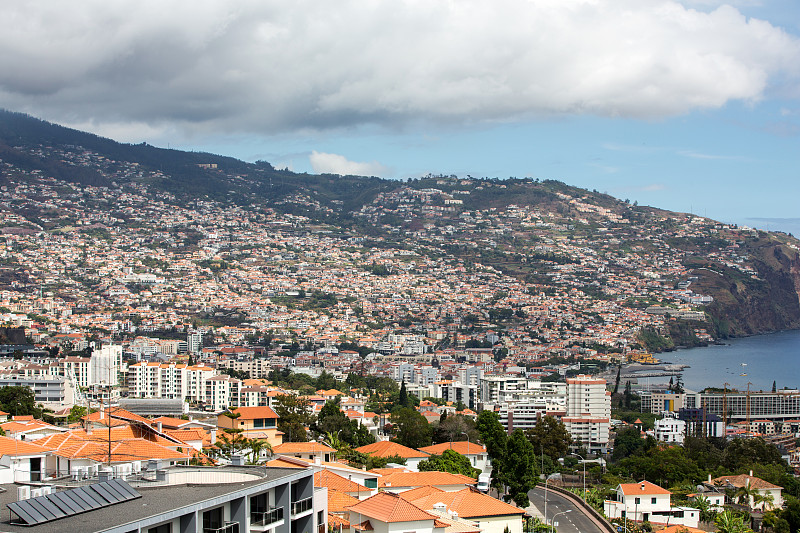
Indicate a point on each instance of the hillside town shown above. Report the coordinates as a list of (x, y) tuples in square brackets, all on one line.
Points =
[(335, 373)]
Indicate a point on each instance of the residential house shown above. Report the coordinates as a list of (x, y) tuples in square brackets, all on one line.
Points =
[(764, 495), (647, 502), (476, 453), (253, 423), (390, 449)]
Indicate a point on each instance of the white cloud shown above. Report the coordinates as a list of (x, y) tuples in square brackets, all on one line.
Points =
[(271, 66), (324, 163)]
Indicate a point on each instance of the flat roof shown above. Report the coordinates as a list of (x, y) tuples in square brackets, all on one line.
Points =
[(155, 500)]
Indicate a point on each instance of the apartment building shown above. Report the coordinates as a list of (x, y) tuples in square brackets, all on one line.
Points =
[(588, 412), (175, 381), (232, 499)]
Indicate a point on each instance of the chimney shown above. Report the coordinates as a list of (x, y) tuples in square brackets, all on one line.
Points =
[(159, 426), (642, 487), (709, 478), (317, 460)]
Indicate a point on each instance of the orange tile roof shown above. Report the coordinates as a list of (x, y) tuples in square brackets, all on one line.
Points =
[(185, 435), (338, 521), (302, 447), (469, 503), (419, 479), (9, 446), (386, 471), (338, 502), (168, 422), (463, 447), (287, 462), (643, 487), (363, 526), (420, 492), (326, 478), (681, 529), (388, 448), (389, 507), (743, 479), (252, 413)]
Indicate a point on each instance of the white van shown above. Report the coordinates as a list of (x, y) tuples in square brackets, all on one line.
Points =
[(483, 482)]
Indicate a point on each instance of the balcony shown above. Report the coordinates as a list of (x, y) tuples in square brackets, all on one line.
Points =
[(266, 519), (229, 527), (302, 506)]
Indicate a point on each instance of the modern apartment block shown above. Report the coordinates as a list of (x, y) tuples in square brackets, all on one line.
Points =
[(232, 499), (779, 406), (588, 414), (175, 381)]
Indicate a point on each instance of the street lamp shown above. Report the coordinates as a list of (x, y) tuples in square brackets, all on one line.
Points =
[(465, 434), (584, 472), (546, 479), (553, 522)]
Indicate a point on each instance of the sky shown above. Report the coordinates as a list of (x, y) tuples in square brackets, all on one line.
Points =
[(691, 106)]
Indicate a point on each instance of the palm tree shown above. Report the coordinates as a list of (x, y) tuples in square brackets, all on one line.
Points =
[(731, 522), (746, 495), (256, 446), (703, 504), (765, 500)]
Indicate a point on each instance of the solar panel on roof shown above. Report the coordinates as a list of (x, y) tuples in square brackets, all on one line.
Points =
[(43, 509)]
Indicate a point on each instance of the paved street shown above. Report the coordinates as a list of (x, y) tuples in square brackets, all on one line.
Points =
[(574, 522)]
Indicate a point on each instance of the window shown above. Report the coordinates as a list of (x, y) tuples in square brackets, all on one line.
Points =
[(213, 519), (371, 483), (637, 501), (163, 528), (653, 500)]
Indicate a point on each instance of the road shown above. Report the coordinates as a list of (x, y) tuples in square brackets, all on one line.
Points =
[(573, 522)]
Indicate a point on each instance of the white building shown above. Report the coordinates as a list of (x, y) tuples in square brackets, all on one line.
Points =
[(670, 429), (174, 381), (647, 502), (106, 363), (588, 413)]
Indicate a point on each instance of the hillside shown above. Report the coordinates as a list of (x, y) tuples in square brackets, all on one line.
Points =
[(534, 240)]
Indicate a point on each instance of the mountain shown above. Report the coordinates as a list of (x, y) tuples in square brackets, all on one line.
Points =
[(546, 234)]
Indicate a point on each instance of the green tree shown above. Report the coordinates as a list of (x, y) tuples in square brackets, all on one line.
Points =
[(331, 420), (791, 513), (411, 428), (19, 401), (76, 413), (731, 522), (403, 400), (294, 415), (551, 436), (521, 475), (450, 461), (627, 442), (495, 438)]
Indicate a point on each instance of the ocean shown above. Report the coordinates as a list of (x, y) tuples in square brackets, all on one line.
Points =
[(759, 360)]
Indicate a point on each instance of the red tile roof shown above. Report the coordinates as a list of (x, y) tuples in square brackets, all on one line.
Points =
[(389, 507), (420, 479), (253, 413), (468, 503), (338, 502), (302, 447), (388, 448), (335, 482), (643, 487), (9, 446), (463, 447)]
